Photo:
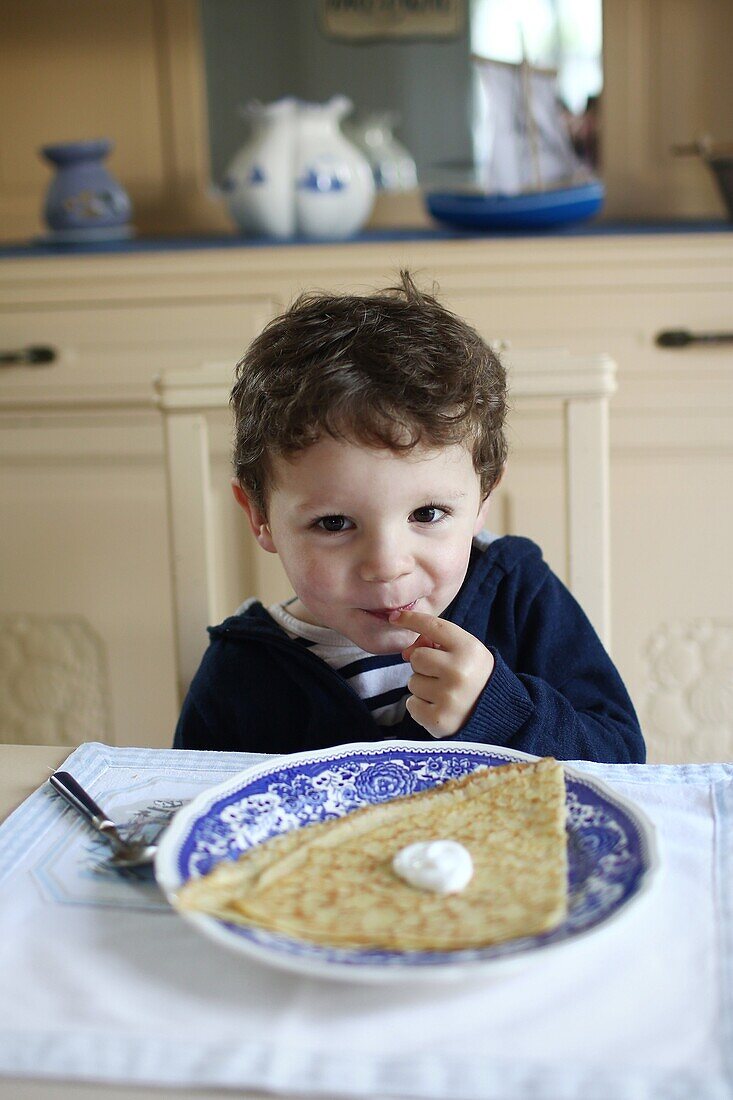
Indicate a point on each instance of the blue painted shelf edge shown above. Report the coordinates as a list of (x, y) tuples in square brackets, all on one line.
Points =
[(40, 248)]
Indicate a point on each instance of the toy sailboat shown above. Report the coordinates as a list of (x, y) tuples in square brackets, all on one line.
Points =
[(527, 174)]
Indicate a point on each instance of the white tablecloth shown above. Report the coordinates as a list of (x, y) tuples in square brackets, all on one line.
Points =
[(100, 981)]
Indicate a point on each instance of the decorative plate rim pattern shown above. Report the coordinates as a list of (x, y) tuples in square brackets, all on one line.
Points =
[(611, 848)]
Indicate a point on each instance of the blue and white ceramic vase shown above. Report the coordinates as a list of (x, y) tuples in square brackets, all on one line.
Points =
[(334, 185), (298, 175), (258, 183), (83, 200), (393, 166)]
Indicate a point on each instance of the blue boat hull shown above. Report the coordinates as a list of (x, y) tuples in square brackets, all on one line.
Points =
[(538, 210)]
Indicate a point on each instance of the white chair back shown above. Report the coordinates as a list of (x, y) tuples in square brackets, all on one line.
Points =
[(582, 384)]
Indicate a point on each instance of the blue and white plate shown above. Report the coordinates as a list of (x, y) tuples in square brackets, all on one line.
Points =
[(610, 847)]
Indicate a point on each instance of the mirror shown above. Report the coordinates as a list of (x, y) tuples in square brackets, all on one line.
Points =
[(257, 49)]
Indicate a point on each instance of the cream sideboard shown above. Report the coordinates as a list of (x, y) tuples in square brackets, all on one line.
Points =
[(86, 620)]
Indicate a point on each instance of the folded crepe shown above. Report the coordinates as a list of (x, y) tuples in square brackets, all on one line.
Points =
[(333, 882)]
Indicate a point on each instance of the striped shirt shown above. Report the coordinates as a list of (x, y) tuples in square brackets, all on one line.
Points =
[(379, 679)]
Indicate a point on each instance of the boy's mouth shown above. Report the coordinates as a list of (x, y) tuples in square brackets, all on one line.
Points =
[(385, 612)]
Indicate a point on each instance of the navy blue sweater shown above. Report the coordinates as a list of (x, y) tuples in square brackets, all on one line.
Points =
[(554, 690)]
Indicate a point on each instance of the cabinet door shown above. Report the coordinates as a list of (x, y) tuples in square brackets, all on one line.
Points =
[(667, 81), (86, 632), (133, 72)]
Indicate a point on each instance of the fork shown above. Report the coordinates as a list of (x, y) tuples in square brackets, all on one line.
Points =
[(126, 853)]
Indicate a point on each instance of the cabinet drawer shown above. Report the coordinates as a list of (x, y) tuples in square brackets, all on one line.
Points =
[(109, 352), (687, 390)]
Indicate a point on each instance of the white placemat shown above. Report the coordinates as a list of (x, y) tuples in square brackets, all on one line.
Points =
[(100, 981)]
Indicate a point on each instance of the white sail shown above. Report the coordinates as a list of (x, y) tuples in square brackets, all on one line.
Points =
[(526, 144)]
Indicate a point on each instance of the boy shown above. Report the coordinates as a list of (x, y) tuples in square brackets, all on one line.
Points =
[(368, 438)]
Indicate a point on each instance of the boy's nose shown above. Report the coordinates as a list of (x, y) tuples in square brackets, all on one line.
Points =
[(384, 561)]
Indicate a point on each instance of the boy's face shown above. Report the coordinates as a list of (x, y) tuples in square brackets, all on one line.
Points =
[(363, 531)]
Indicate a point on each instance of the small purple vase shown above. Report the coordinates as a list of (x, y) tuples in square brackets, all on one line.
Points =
[(83, 198)]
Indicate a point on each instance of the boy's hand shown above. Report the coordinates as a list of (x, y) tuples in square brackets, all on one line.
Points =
[(450, 669)]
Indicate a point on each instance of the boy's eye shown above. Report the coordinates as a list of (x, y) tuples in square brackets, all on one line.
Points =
[(332, 524), (429, 513)]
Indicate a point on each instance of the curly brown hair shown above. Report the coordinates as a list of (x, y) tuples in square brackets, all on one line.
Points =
[(394, 369)]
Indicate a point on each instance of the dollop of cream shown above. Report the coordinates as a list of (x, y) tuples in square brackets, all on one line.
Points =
[(440, 866)]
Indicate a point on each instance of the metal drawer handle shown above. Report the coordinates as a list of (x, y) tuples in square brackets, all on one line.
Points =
[(35, 356), (682, 338)]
